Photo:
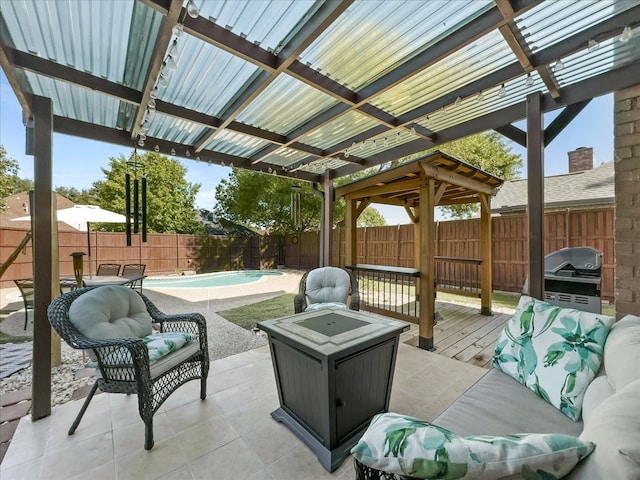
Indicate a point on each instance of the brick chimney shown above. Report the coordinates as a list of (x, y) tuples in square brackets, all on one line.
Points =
[(581, 159)]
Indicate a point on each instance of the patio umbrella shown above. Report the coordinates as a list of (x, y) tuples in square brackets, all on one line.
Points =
[(80, 216)]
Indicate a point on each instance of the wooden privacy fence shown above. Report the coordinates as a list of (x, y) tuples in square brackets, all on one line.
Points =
[(391, 246)]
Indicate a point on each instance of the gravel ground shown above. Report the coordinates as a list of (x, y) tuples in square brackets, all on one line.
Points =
[(225, 338)]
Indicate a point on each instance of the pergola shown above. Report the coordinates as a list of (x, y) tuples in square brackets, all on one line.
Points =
[(419, 186), (310, 90)]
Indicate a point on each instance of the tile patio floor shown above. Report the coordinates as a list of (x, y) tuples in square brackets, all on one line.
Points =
[(230, 435)]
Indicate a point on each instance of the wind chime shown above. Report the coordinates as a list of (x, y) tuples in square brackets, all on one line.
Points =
[(296, 218), (138, 215)]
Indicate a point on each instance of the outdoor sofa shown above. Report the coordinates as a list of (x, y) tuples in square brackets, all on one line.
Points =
[(538, 385)]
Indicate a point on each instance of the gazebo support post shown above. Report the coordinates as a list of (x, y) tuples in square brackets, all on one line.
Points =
[(426, 262), (350, 237), (327, 220), (486, 280)]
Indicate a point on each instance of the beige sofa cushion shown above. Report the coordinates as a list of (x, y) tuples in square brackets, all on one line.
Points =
[(622, 352), (597, 392), (614, 426)]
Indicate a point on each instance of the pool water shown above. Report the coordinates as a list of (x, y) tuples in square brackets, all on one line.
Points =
[(218, 279)]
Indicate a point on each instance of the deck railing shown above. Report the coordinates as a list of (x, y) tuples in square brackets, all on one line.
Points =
[(458, 275), (389, 291), (392, 291)]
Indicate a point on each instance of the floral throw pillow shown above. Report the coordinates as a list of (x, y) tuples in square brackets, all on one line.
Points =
[(407, 446), (554, 351)]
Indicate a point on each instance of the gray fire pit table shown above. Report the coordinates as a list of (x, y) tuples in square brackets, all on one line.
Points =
[(334, 370)]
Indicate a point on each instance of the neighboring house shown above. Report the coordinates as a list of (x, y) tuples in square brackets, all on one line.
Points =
[(18, 206), (583, 187)]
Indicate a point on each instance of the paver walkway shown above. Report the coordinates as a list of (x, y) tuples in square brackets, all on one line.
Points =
[(13, 406)]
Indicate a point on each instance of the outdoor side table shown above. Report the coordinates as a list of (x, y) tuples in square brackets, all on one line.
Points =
[(334, 370)]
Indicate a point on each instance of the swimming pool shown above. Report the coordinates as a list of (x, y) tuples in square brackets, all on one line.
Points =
[(217, 279)]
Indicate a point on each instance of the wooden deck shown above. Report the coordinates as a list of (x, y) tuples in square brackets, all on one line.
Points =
[(463, 333)]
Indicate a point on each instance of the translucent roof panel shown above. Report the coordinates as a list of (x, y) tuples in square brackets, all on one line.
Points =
[(266, 23), (323, 164), (285, 157), (552, 22), (86, 35), (75, 102), (174, 129), (234, 143), (207, 78), (490, 100), (345, 126), (285, 105), (373, 37), (476, 60), (608, 55), (382, 142)]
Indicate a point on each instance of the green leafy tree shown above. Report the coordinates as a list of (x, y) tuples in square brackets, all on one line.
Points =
[(81, 197), (264, 201), (371, 217), (170, 198), (10, 182)]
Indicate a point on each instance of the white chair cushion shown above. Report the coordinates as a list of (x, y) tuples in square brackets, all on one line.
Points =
[(328, 284), (622, 352), (322, 306), (110, 312)]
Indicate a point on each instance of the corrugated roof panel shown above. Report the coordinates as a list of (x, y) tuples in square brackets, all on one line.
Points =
[(266, 22), (382, 142), (76, 102), (86, 35), (476, 60), (234, 143), (284, 105), (174, 129), (323, 164), (207, 78), (373, 37), (552, 22), (608, 55), (285, 156), (515, 91), (346, 126)]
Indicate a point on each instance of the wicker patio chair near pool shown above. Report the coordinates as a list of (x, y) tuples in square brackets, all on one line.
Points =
[(128, 358)]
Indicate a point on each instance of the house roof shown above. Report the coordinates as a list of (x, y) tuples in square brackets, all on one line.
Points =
[(304, 88), (18, 206), (586, 188), (221, 226)]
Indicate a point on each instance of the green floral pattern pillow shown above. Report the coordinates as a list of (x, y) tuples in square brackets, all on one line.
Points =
[(408, 446), (159, 345), (554, 351)]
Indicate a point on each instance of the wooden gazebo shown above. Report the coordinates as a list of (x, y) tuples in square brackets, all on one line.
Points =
[(419, 186)]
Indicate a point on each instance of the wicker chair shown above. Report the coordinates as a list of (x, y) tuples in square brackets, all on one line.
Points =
[(123, 364), (327, 286), (134, 269), (25, 285), (108, 269)]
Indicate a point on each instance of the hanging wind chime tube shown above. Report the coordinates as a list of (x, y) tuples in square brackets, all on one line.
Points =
[(144, 209), (296, 218), (139, 196), (127, 206)]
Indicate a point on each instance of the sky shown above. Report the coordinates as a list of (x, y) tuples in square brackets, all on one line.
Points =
[(77, 162)]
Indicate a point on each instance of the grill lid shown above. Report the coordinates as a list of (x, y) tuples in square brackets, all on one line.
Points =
[(573, 261)]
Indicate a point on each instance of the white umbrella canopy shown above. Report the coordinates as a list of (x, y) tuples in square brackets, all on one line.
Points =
[(80, 216)]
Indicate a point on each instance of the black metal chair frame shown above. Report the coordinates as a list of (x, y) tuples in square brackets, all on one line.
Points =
[(300, 299), (107, 269), (119, 377), (134, 269), (25, 285)]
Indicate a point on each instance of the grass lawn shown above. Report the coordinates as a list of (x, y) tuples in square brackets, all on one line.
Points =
[(249, 315)]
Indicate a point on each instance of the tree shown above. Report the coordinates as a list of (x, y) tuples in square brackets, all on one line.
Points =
[(371, 217), (264, 201), (81, 197), (170, 198), (10, 182)]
